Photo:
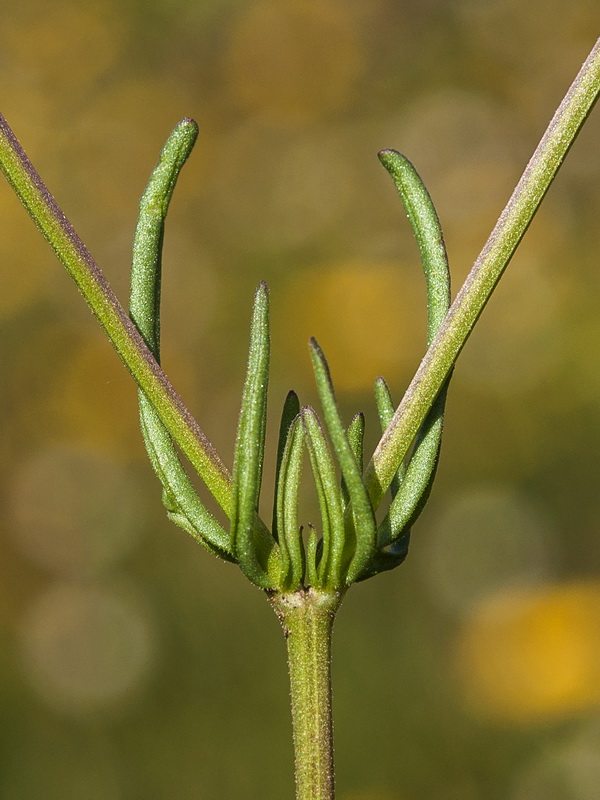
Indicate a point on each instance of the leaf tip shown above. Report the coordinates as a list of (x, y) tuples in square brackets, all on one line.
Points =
[(388, 154), (393, 160), (308, 413), (315, 349), (187, 129)]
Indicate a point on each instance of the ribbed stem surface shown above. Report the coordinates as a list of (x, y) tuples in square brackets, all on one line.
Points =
[(307, 619)]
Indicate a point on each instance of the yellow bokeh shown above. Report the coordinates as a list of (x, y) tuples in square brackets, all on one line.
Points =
[(86, 648), (70, 44), (116, 141), (59, 524), (519, 342), (279, 185), (293, 100), (97, 398), (368, 316), (374, 794), (293, 61), (528, 655), (25, 273)]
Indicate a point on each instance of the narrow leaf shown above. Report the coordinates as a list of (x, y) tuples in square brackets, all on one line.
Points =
[(427, 230), (179, 496), (286, 508), (487, 270), (411, 485), (252, 550), (183, 504), (362, 511), (356, 437), (149, 233), (420, 473), (113, 318), (291, 409), (329, 569), (385, 411)]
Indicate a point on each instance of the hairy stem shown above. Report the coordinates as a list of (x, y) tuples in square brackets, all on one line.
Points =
[(484, 275), (92, 283), (307, 618)]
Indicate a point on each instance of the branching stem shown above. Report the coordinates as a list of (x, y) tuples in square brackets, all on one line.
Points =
[(138, 359), (484, 275)]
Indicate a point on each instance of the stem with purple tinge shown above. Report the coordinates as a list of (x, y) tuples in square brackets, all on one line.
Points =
[(485, 274)]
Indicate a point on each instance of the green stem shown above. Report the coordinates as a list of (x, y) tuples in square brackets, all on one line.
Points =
[(482, 279), (307, 619), (92, 283)]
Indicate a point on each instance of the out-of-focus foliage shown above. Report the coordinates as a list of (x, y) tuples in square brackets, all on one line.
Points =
[(133, 665)]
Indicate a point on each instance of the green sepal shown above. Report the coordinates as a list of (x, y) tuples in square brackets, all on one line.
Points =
[(286, 508), (356, 439), (363, 518), (183, 505), (385, 412), (329, 566), (412, 484), (252, 545), (291, 409)]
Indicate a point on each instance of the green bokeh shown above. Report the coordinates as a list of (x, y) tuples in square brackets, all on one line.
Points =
[(177, 685)]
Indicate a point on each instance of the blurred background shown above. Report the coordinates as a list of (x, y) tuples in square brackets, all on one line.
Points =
[(133, 665)]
